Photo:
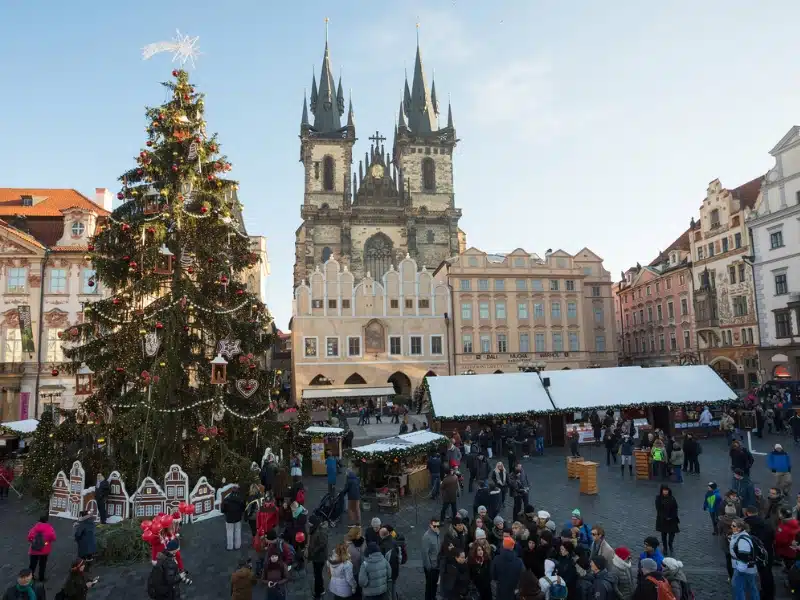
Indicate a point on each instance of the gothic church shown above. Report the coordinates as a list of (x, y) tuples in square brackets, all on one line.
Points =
[(395, 204)]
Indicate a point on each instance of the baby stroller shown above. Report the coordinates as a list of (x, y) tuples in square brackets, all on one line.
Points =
[(330, 508)]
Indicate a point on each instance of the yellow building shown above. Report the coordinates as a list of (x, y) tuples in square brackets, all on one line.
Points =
[(517, 307)]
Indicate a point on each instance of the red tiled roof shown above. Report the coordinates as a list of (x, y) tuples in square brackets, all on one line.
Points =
[(747, 193), (21, 234), (682, 243), (55, 200)]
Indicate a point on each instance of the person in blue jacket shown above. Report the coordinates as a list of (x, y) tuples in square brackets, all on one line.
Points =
[(781, 464), (353, 490), (651, 550), (579, 528), (331, 466), (713, 504)]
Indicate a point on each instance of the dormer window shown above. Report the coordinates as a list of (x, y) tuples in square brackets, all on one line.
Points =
[(27, 200), (715, 218), (78, 228)]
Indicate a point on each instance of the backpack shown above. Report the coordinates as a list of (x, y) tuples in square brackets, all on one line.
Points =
[(558, 589), (757, 557), (37, 545), (403, 551), (663, 588), (287, 551), (155, 581)]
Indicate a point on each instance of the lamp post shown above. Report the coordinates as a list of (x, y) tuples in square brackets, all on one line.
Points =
[(537, 367)]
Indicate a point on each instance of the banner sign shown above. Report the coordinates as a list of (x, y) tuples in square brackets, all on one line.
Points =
[(26, 328)]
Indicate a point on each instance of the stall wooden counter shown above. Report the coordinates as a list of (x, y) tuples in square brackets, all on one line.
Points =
[(324, 439)]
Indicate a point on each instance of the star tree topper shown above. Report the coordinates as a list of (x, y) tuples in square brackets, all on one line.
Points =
[(183, 47)]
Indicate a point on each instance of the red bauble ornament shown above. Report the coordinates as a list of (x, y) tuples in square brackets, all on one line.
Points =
[(213, 430), (190, 270), (159, 325), (186, 328), (160, 117), (120, 369), (201, 430), (186, 97), (139, 171), (90, 247), (210, 260), (223, 279), (91, 282), (203, 209), (175, 73), (133, 264), (210, 177), (174, 168), (212, 148), (120, 195), (151, 230), (126, 258), (54, 372), (125, 227), (149, 143), (60, 334), (142, 154), (239, 292), (73, 331)]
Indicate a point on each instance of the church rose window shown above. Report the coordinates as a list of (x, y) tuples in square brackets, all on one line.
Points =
[(377, 256), (428, 175), (327, 173)]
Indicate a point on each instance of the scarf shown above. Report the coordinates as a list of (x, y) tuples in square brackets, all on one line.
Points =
[(27, 588), (296, 512)]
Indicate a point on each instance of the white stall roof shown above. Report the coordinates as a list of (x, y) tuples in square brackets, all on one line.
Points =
[(25, 426), (400, 442), (327, 391), (325, 430), (479, 395), (594, 388)]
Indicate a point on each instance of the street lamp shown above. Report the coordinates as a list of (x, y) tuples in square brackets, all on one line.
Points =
[(532, 366)]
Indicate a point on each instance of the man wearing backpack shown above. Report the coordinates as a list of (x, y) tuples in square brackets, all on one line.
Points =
[(762, 531), (653, 585), (41, 538), (743, 553), (165, 577)]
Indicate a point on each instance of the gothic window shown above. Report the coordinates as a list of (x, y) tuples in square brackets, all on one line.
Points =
[(326, 254), (428, 175), (430, 236), (327, 173), (377, 255)]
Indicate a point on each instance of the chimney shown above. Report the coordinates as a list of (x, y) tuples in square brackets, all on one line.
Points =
[(104, 198)]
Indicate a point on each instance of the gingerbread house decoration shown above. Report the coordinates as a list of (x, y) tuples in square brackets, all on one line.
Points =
[(149, 499), (176, 484), (119, 502), (77, 481), (203, 498), (223, 493), (59, 500), (89, 503)]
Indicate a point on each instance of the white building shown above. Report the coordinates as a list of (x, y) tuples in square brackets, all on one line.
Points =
[(775, 231)]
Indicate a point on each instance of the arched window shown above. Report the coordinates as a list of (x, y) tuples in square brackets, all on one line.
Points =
[(327, 173), (428, 175), (430, 236), (377, 255), (326, 254)]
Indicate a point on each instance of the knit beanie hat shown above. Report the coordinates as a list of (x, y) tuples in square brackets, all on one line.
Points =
[(623, 553), (648, 565), (712, 485), (671, 564), (543, 514), (463, 514), (482, 510), (498, 521), (480, 534), (509, 543)]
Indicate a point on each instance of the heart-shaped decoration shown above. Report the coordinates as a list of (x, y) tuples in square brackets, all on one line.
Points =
[(247, 387)]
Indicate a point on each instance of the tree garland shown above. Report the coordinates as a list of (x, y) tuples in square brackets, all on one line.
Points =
[(396, 454)]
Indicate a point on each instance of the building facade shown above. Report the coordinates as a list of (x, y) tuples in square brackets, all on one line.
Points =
[(724, 296), (516, 308), (349, 337), (256, 276), (776, 262), (45, 280), (654, 310), (396, 204)]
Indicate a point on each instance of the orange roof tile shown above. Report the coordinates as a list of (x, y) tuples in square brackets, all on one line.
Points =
[(21, 234), (55, 200), (747, 193), (682, 243)]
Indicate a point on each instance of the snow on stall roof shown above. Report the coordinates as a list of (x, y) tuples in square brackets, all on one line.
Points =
[(407, 440), (25, 426), (324, 430), (475, 395)]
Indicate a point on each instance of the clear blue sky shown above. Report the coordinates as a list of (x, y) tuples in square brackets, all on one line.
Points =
[(583, 123)]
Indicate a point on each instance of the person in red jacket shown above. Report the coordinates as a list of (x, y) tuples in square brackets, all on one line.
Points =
[(785, 536), (267, 517), (6, 479), (41, 538)]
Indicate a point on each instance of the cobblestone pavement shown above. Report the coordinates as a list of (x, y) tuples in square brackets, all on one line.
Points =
[(623, 506)]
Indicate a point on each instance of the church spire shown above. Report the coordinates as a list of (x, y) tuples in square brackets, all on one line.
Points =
[(434, 101), (325, 101), (421, 115), (406, 96), (340, 97), (449, 114), (304, 119), (313, 92), (351, 119), (401, 123)]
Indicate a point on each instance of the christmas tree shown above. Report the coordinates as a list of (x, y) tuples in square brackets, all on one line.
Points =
[(43, 460), (169, 360)]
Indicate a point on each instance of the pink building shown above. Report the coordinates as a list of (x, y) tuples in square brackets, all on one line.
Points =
[(654, 312)]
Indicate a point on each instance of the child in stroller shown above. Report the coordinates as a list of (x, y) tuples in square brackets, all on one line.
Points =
[(330, 508)]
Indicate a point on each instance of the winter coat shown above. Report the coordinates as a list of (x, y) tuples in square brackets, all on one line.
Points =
[(453, 456), (656, 556), (318, 545), (251, 506), (435, 464), (677, 458), (677, 581), (667, 514), (741, 459), (75, 587), (712, 501), (764, 531), (744, 490), (242, 582), (49, 535), (482, 469), (101, 492), (353, 487), (603, 586), (584, 532), (267, 475), (603, 549), (330, 469), (584, 587), (168, 587), (624, 580), (12, 593), (506, 569), (691, 448), (85, 536), (374, 575), (356, 550), (647, 590), (342, 582), (779, 462), (455, 579), (449, 489), (267, 518), (430, 550), (500, 478), (548, 580), (518, 482), (391, 552), (481, 576), (233, 507), (784, 537), (626, 448), (529, 588)]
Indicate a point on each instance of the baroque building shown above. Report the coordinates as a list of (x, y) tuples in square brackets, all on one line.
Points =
[(395, 203), (724, 296)]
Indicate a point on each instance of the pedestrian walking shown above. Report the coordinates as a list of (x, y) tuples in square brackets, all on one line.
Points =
[(741, 458), (353, 491), (626, 455), (677, 459), (520, 487), (276, 575), (101, 491), (318, 553), (342, 583), (712, 502), (574, 439), (652, 584), (449, 489), (26, 588), (622, 571), (41, 538), (77, 585), (331, 470), (610, 443), (233, 508), (242, 581), (455, 575), (667, 519), (375, 574), (780, 463), (430, 558), (506, 569), (691, 454), (85, 538), (742, 550), (252, 507), (6, 478), (165, 577)]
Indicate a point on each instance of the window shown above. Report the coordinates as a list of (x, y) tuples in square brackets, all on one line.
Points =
[(711, 249), (466, 343), (783, 323), (486, 343), (649, 291), (776, 239), (500, 311), (78, 228), (558, 342), (394, 303), (595, 291), (13, 349), (669, 283), (652, 343), (519, 261), (555, 310), (699, 253), (500, 285), (684, 306), (416, 345), (573, 341), (661, 345), (658, 285), (649, 314), (641, 315), (725, 244), (345, 303), (739, 306), (483, 310), (58, 281), (600, 343), (409, 303), (598, 314), (570, 285), (749, 335), (538, 310), (16, 280), (554, 285), (681, 279), (538, 340), (670, 310), (715, 218), (354, 346), (522, 310), (659, 313), (326, 254), (310, 347), (628, 319), (524, 342), (422, 303), (741, 273), (483, 285), (436, 345), (732, 273), (587, 270), (536, 285), (54, 351), (327, 173), (429, 237), (673, 342), (473, 261), (466, 311), (395, 345), (521, 285), (331, 303), (502, 342), (781, 285), (572, 310), (428, 175), (466, 285), (737, 240), (331, 346), (89, 277)]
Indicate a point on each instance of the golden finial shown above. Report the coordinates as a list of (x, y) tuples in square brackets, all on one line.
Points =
[(326, 29)]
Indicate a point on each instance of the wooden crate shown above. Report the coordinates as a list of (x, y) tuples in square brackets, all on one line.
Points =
[(588, 476), (641, 459), (572, 467)]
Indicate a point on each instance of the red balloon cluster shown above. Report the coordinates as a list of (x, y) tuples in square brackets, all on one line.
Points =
[(152, 529), (184, 508)]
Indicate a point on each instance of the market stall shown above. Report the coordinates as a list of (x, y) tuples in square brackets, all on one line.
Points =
[(395, 467), (323, 440)]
